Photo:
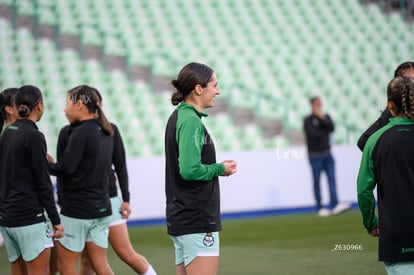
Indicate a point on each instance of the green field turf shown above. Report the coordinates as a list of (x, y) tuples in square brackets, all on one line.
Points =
[(286, 244)]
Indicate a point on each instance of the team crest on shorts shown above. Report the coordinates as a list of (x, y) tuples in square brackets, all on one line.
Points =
[(208, 240), (48, 232)]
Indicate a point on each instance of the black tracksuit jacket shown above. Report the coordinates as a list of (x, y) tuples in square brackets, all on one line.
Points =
[(192, 206), (83, 182), (388, 164), (118, 161), (317, 133), (25, 186)]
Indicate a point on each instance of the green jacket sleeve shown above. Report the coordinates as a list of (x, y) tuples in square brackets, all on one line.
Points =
[(190, 140), (365, 186)]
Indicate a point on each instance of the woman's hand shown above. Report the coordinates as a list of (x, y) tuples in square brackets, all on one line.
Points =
[(58, 231), (374, 232), (49, 158), (125, 210), (230, 167)]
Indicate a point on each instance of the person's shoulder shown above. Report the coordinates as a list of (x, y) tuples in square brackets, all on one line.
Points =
[(12, 131), (14, 126), (187, 112), (308, 117), (35, 133), (90, 123), (115, 127), (378, 134), (65, 128), (189, 121), (83, 128), (26, 125), (189, 118)]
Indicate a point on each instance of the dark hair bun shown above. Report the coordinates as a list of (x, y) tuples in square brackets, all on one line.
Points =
[(176, 98), (24, 111)]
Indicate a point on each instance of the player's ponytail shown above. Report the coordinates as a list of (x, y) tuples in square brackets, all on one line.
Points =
[(407, 98), (103, 121)]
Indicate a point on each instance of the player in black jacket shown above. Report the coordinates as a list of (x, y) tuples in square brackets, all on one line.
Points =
[(25, 188), (8, 115), (118, 230), (388, 164), (191, 179), (83, 188)]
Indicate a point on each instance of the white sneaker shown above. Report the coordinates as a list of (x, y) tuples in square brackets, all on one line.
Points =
[(324, 212), (340, 208)]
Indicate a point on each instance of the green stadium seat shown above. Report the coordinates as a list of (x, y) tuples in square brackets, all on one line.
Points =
[(287, 50)]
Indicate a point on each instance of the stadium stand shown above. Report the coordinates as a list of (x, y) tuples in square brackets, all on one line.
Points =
[(139, 113), (270, 56)]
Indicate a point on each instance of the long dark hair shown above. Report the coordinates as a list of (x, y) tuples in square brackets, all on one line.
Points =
[(90, 97), (6, 99), (26, 99), (190, 75)]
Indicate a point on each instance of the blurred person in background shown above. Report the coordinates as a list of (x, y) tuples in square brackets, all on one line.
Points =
[(388, 163), (318, 128), (404, 69), (191, 179)]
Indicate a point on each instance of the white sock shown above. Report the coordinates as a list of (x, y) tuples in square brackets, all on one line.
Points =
[(150, 271)]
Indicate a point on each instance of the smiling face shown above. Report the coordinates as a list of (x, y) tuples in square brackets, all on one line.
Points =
[(209, 92)]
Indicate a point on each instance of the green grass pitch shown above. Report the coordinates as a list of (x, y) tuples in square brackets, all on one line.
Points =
[(283, 244)]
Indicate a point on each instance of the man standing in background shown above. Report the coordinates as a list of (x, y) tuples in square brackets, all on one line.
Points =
[(318, 127)]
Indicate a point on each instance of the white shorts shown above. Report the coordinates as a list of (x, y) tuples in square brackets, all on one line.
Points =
[(190, 246)]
